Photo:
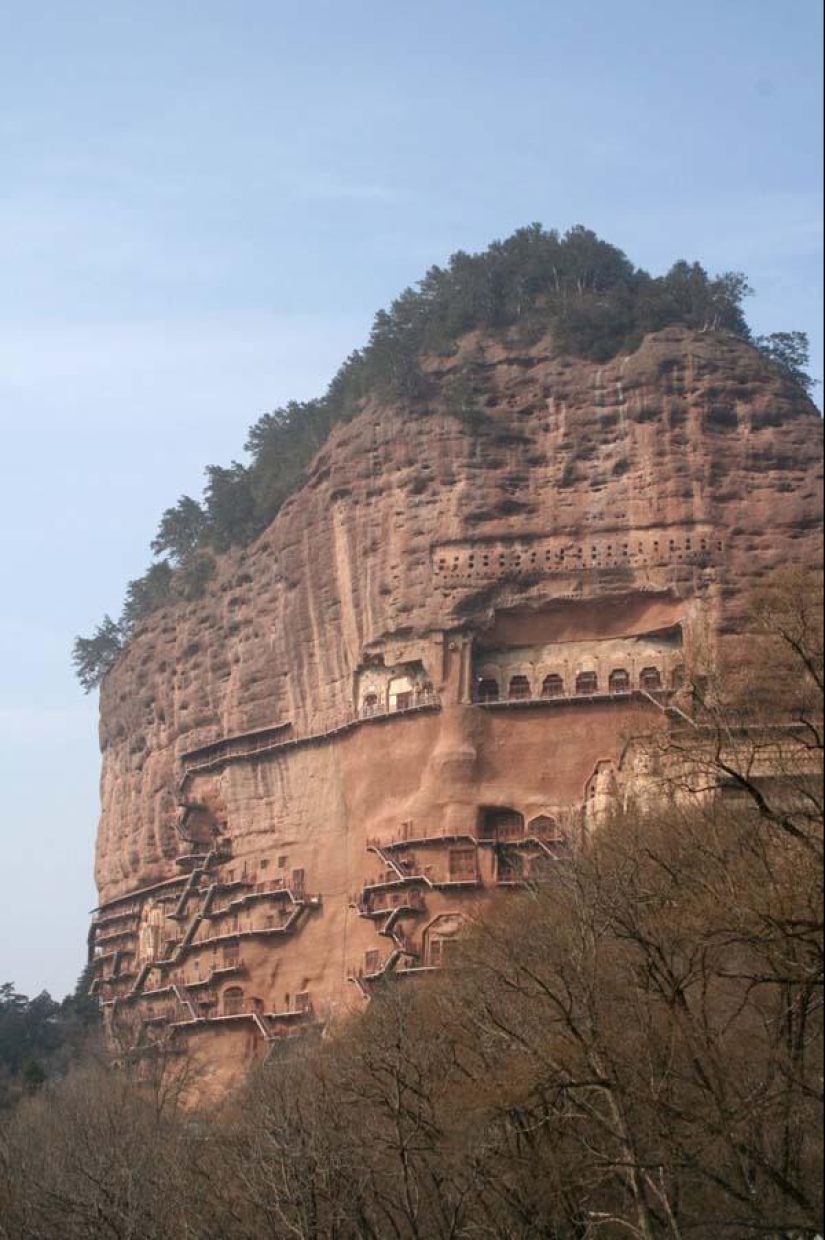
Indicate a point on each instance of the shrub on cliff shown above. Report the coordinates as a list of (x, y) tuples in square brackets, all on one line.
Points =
[(789, 351), (146, 593), (94, 656)]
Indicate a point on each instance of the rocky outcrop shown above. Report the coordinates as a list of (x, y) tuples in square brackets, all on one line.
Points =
[(400, 696)]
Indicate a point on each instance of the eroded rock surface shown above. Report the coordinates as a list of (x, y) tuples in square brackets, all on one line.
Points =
[(409, 690)]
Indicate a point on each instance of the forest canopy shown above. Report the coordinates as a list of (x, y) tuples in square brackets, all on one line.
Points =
[(584, 292)]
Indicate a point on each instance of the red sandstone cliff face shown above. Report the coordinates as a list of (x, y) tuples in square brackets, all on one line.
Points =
[(570, 504), (691, 429)]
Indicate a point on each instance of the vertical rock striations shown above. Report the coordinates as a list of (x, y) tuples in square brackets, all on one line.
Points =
[(417, 686)]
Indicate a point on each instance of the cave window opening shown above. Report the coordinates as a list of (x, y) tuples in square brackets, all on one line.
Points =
[(544, 827), (501, 823), (438, 950), (587, 683), (462, 864), (233, 1001), (519, 689), (650, 679), (403, 701), (372, 961), (370, 705), (487, 690), (619, 680), (552, 686)]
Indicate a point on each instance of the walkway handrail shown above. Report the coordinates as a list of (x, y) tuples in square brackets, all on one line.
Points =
[(219, 753), (601, 695)]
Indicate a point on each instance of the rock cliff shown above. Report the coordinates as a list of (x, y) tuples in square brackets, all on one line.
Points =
[(407, 691)]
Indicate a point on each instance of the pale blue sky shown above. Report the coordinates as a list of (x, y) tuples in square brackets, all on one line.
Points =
[(202, 205)]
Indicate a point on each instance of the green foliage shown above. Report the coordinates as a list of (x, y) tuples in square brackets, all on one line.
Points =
[(39, 1037), (33, 1075), (579, 290), (28, 1027), (93, 656), (686, 294), (230, 506), (790, 352), (145, 594), (194, 573), (281, 445), (181, 529), (464, 404)]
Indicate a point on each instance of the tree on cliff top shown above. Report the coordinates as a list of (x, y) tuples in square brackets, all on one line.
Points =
[(181, 529), (582, 292)]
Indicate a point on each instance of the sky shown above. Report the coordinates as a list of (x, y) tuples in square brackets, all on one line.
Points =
[(202, 205)]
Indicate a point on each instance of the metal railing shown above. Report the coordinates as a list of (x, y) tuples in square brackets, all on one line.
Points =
[(550, 699)]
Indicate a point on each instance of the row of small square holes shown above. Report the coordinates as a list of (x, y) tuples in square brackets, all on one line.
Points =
[(560, 556)]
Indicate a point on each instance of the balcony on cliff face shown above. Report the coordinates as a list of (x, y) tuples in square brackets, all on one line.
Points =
[(114, 936), (499, 824), (585, 688), (236, 1007), (380, 904), (378, 704), (411, 836), (230, 966), (187, 862), (129, 913)]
